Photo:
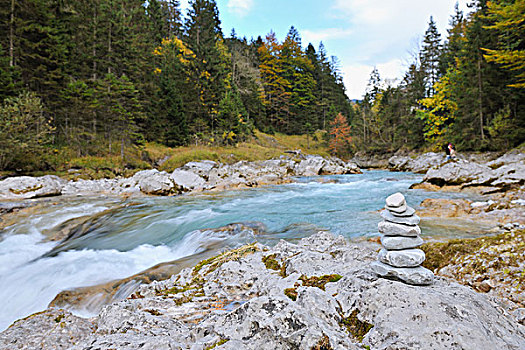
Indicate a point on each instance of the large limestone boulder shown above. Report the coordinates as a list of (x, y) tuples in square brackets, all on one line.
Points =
[(310, 166), (514, 156), (155, 182), (378, 161), (201, 168), (57, 329), (24, 187), (420, 164), (187, 180), (511, 174), (460, 172), (89, 187)]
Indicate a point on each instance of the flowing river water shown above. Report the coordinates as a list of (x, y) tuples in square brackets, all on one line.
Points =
[(142, 232)]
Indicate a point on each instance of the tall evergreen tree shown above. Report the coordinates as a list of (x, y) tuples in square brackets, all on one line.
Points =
[(430, 55), (298, 70), (454, 42), (276, 86), (210, 71)]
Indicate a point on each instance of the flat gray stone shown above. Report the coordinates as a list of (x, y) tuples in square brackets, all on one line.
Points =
[(409, 220), (400, 242), (409, 211), (392, 229), (402, 258), (400, 209), (411, 275), (395, 200)]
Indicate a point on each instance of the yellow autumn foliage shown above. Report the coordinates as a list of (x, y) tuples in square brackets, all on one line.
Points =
[(439, 110)]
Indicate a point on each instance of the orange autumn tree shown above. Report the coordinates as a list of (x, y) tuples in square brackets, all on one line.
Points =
[(340, 135)]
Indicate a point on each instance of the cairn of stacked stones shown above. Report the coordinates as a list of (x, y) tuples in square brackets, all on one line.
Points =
[(400, 257)]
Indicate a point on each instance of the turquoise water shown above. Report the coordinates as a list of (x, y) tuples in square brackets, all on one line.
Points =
[(151, 230)]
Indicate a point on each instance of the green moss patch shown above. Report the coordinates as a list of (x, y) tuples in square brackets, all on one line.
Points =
[(219, 343), (291, 293), (486, 263), (314, 281), (26, 190), (357, 328), (319, 282), (195, 287), (232, 255), (270, 262)]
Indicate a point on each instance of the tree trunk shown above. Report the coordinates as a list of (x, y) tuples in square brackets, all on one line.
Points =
[(94, 50), (12, 35), (122, 148), (480, 99), (109, 47), (307, 140)]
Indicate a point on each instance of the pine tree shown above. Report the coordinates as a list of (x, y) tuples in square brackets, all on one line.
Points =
[(298, 70), (173, 69), (24, 131), (276, 86), (8, 86), (120, 106), (210, 67), (454, 42), (430, 55), (246, 79)]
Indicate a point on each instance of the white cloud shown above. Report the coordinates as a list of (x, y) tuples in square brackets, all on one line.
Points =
[(356, 76), (240, 7), (324, 34), (383, 35)]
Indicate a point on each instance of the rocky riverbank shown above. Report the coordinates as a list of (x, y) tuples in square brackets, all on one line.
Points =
[(498, 180), (193, 176), (316, 294), (489, 264)]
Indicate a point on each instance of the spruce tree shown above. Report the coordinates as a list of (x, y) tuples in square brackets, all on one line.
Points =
[(430, 56), (208, 76)]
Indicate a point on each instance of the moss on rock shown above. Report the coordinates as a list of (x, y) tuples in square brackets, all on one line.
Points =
[(488, 264), (357, 328), (319, 282), (270, 262)]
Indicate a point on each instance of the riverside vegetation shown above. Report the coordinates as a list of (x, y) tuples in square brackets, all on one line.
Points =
[(90, 86)]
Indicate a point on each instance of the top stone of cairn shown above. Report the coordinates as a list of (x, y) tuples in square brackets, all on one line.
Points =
[(395, 200)]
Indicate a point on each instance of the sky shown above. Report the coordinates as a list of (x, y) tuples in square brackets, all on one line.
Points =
[(363, 34)]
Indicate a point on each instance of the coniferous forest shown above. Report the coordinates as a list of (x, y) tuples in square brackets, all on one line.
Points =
[(101, 76)]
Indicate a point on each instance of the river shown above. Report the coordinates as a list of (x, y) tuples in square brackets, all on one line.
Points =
[(142, 232)]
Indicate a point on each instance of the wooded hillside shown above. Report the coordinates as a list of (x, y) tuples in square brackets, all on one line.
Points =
[(99, 77)]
